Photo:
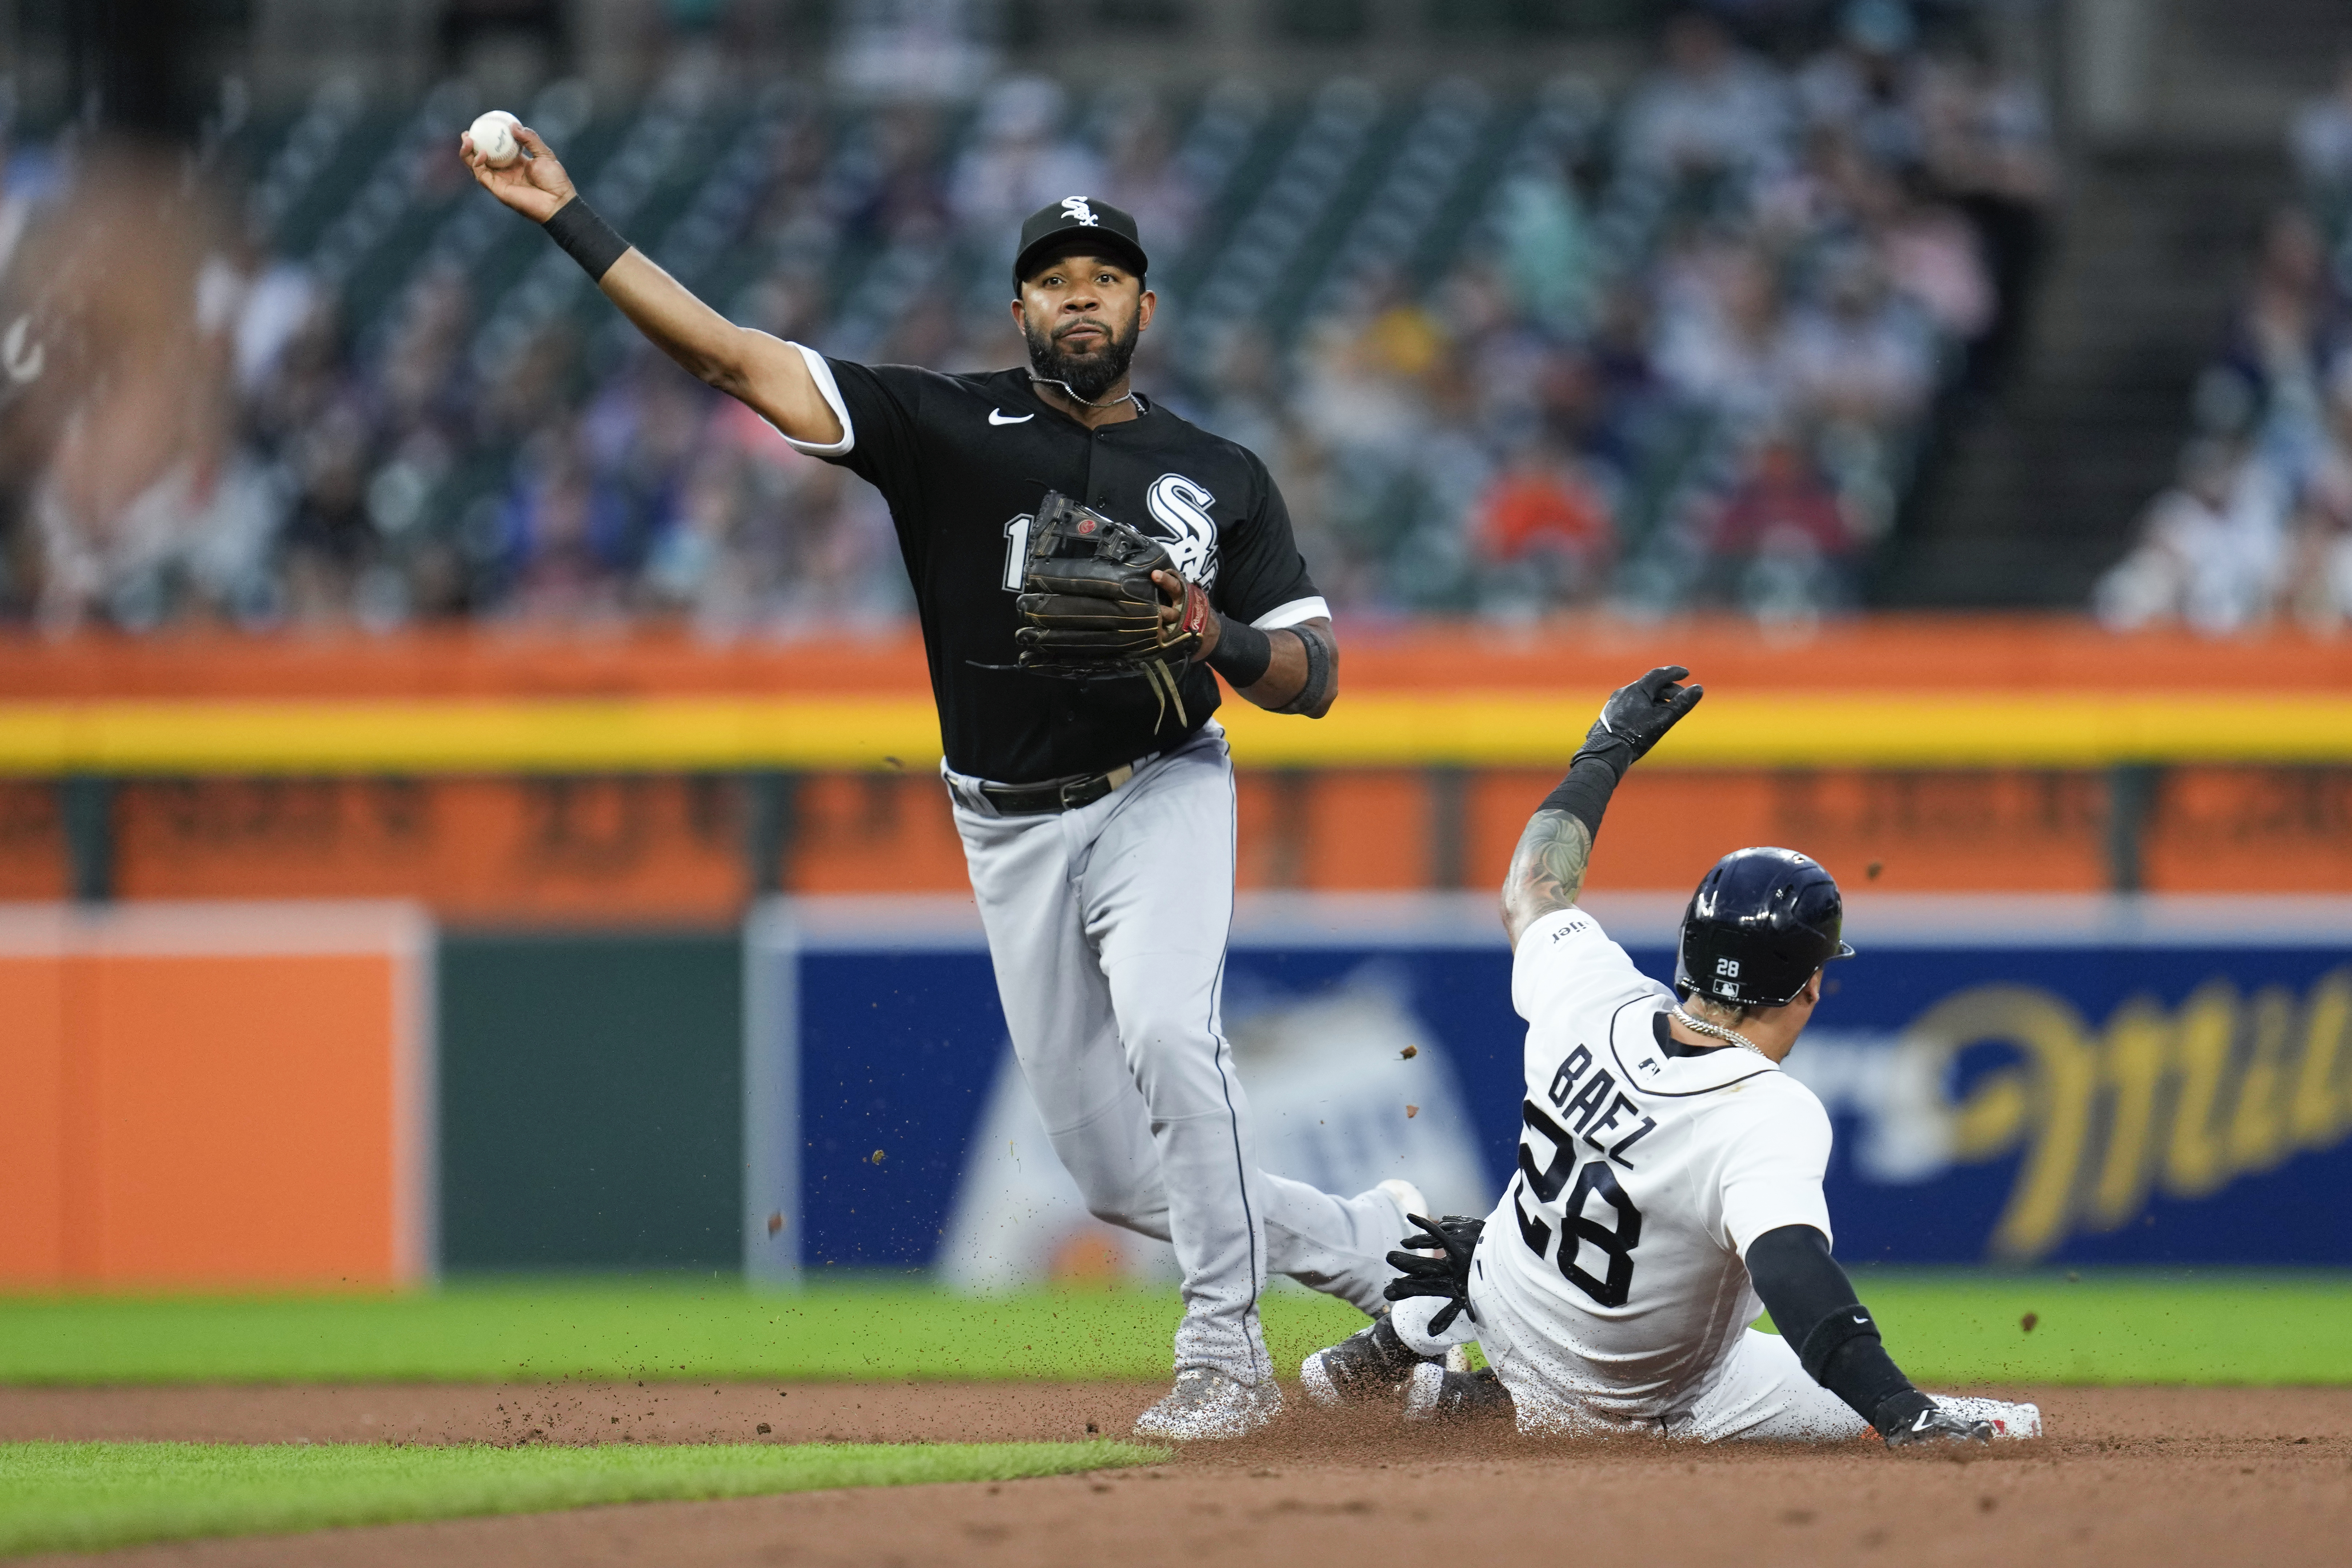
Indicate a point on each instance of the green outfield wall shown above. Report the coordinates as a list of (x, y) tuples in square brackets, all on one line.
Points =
[(590, 1100)]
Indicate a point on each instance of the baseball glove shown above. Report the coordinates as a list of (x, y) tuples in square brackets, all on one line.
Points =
[(1447, 1275), (1090, 610)]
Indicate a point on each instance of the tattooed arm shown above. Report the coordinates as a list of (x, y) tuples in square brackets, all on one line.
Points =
[(1546, 869)]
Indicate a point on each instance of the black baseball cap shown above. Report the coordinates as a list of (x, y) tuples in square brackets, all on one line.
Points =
[(1111, 231)]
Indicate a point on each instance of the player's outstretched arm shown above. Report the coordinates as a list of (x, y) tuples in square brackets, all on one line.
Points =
[(1548, 867), (764, 371), (1818, 1314)]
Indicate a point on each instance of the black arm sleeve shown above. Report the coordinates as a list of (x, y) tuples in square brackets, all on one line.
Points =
[(1584, 795), (1813, 1305)]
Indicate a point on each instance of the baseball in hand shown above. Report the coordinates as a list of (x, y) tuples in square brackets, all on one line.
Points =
[(494, 138)]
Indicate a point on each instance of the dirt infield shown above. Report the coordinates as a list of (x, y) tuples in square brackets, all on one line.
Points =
[(2128, 1477)]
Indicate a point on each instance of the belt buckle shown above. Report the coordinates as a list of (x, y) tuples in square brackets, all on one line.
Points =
[(1072, 792)]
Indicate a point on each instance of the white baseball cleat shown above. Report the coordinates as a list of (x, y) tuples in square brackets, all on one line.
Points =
[(1206, 1406), (2011, 1423)]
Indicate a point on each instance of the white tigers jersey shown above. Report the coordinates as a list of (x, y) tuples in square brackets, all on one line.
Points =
[(1645, 1169)]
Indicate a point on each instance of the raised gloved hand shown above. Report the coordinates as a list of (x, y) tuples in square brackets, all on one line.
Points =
[(1447, 1275), (1637, 717)]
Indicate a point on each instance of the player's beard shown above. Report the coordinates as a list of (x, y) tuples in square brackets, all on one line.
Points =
[(1087, 375)]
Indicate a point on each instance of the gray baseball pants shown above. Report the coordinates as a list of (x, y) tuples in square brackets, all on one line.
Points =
[(1107, 926)]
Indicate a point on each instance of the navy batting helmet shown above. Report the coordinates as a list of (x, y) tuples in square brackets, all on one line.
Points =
[(1758, 926)]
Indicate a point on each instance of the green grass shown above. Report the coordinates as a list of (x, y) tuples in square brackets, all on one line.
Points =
[(1943, 1327), (85, 1496), (2207, 1327), (547, 1330)]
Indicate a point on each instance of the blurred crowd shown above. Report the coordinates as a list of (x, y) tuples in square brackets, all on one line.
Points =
[(2257, 527), (1688, 351), (1695, 359)]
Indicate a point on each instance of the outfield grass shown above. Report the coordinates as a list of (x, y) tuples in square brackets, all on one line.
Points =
[(1942, 1327), (83, 1496)]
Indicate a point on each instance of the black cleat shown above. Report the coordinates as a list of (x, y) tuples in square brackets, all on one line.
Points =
[(1937, 1424), (1436, 1394), (1370, 1363)]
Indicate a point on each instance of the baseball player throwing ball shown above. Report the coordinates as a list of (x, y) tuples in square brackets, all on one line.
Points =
[(1669, 1176), (1082, 559)]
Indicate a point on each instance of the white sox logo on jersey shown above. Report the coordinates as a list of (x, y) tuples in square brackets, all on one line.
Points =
[(1080, 209), (1181, 507)]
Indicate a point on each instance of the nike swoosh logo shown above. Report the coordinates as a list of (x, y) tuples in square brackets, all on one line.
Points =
[(1921, 1424), (1860, 1319), (998, 416)]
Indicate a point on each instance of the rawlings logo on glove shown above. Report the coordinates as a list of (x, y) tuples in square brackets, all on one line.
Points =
[(1090, 609)]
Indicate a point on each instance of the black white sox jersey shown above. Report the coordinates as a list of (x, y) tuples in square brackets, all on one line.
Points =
[(963, 461)]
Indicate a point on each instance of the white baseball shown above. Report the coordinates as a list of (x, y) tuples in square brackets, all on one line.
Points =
[(494, 138)]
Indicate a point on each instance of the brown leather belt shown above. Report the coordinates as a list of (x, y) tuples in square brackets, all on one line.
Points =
[(1058, 795)]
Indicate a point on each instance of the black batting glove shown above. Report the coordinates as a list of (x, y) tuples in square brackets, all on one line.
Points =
[(1637, 717), (1446, 1276)]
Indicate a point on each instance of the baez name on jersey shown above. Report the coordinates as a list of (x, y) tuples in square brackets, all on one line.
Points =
[(1596, 1105)]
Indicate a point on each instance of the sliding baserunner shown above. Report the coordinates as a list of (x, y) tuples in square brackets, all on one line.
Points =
[(1669, 1173)]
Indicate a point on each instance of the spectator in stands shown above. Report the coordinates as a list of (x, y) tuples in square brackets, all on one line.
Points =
[(1779, 541), (1709, 109), (2319, 549), (1721, 343), (328, 540), (1584, 384), (2285, 341), (1548, 257), (2320, 143), (1543, 532), (564, 535), (1025, 158), (1863, 356), (1866, 87), (2213, 550), (1933, 258), (1990, 153)]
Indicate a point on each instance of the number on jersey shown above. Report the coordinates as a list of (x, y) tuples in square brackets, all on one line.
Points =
[(1016, 551), (1575, 1229)]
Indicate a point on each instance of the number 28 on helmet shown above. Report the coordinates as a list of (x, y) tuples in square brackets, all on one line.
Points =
[(1760, 923)]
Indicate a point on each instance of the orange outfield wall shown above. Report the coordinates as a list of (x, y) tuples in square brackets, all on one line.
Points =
[(216, 1096), (2012, 652), (623, 848)]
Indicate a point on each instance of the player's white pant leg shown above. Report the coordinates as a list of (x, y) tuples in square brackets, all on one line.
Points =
[(1158, 894), (1554, 1393), (1764, 1394), (1121, 910), (1057, 1007)]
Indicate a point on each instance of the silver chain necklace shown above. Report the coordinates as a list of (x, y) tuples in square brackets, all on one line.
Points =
[(1728, 1036), (1128, 396)]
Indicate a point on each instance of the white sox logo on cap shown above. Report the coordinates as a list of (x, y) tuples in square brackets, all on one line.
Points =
[(1080, 210)]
